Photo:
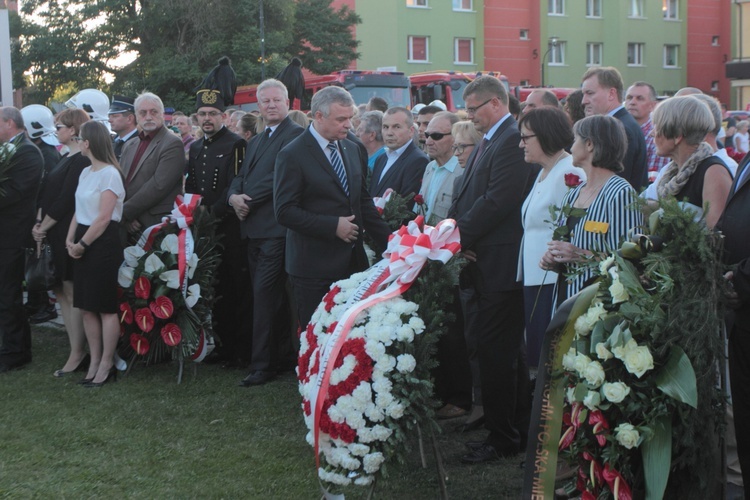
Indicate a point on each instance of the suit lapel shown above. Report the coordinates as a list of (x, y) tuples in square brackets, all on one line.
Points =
[(739, 181), (395, 167), (149, 149), (497, 138), (320, 157)]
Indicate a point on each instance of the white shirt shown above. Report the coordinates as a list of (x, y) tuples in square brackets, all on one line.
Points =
[(392, 155), (91, 185)]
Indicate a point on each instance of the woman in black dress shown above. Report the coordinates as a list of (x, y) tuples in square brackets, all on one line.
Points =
[(56, 207), (93, 240)]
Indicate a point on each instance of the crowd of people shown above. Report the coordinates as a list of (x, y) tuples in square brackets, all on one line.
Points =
[(292, 194)]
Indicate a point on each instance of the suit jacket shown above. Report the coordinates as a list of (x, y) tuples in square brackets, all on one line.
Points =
[(404, 176), (157, 179), (487, 207), (444, 198), (635, 161), (18, 204), (308, 201), (256, 180), (734, 225)]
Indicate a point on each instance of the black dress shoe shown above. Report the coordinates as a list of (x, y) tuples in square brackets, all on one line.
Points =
[(43, 316), (257, 378), (485, 453), (473, 425)]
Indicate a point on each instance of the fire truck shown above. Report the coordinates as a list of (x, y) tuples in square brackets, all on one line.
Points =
[(392, 86), (446, 86), (522, 93)]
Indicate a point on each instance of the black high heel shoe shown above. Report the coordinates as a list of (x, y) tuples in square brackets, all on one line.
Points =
[(112, 375), (82, 367)]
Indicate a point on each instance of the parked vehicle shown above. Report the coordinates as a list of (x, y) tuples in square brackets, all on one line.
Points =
[(446, 86)]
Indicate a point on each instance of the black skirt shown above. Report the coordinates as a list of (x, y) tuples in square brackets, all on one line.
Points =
[(95, 274)]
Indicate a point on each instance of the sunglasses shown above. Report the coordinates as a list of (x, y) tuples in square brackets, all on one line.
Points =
[(435, 136)]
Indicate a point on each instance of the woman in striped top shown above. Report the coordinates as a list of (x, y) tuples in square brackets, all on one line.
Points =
[(607, 199)]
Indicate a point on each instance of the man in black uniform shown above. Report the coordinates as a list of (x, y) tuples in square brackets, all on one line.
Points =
[(212, 164)]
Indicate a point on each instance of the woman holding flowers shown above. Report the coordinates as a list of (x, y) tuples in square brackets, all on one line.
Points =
[(93, 240), (56, 207), (545, 133), (600, 211)]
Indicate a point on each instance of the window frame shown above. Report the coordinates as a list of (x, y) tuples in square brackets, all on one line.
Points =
[(590, 4), (463, 9), (552, 9), (675, 16), (639, 51), (414, 4), (637, 5), (590, 46), (410, 49), (556, 54), (456, 51), (667, 48)]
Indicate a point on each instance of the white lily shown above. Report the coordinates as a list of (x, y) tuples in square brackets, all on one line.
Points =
[(125, 276), (171, 278), (193, 294), (132, 254), (153, 264), (192, 265), (171, 244)]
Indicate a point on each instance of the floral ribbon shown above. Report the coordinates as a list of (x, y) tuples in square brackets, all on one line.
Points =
[(408, 251), (380, 202), (182, 215)]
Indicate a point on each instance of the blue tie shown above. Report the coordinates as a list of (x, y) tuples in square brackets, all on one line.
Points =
[(338, 166)]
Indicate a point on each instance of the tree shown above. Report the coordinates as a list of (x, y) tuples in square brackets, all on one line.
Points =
[(172, 44)]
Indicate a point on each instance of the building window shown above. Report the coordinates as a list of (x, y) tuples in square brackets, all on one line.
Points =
[(715, 41), (525, 83), (417, 3), (593, 8), (557, 53), (715, 86), (524, 34), (593, 54), (463, 51), (637, 8), (556, 7), (671, 56), (635, 54), (419, 49), (670, 9), (463, 5)]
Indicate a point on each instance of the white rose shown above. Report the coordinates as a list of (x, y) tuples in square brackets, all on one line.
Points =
[(595, 313), (582, 326), (627, 436), (602, 352), (406, 363), (570, 394), (592, 400), (606, 263), (594, 374), (618, 292), (125, 276), (638, 360), (581, 362), (569, 359), (615, 392)]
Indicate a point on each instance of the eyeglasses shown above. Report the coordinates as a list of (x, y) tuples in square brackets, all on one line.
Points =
[(471, 111), (435, 136), (525, 138), (459, 148), (212, 114)]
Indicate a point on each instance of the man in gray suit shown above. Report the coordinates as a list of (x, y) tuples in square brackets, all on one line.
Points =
[(153, 165)]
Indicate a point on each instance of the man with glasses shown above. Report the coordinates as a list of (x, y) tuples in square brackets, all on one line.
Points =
[(402, 166), (487, 207)]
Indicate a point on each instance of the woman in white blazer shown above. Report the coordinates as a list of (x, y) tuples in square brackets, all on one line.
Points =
[(545, 133)]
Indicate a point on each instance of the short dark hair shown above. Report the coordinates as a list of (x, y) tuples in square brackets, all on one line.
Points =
[(429, 110), (607, 76), (377, 103), (651, 89), (514, 105), (607, 135), (574, 105), (488, 87), (551, 126), (403, 111)]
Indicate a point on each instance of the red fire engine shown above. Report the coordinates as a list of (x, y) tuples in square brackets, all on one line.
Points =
[(446, 86)]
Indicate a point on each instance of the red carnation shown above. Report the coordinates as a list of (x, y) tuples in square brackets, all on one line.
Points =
[(328, 299), (139, 343), (572, 180), (126, 313), (419, 199), (171, 334), (144, 319), (162, 307), (142, 287)]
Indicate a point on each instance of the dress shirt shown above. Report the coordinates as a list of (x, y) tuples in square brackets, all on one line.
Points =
[(392, 156), (439, 173), (655, 162)]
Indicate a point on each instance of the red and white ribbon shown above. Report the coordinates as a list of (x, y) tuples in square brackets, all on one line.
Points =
[(381, 201), (408, 251)]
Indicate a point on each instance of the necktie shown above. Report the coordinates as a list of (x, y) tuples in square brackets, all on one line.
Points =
[(741, 177), (338, 166), (118, 147), (480, 151)]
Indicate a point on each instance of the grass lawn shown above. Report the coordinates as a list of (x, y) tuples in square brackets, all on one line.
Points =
[(147, 437)]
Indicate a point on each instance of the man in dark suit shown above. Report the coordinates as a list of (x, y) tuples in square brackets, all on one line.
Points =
[(602, 95), (734, 225), (487, 207), (121, 118), (251, 197), (320, 197), (213, 162), (153, 164), (17, 208), (402, 166)]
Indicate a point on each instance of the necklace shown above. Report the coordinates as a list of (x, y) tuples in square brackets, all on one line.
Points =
[(595, 191)]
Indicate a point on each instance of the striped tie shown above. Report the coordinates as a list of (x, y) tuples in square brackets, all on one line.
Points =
[(338, 166)]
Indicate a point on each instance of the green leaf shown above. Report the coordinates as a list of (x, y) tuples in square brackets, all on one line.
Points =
[(657, 458), (677, 378)]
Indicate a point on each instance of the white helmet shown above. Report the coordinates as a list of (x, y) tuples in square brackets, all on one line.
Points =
[(40, 123), (92, 101)]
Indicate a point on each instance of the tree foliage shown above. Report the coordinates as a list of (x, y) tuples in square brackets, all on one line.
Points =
[(167, 46)]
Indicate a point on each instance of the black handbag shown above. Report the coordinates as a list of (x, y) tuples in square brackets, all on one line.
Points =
[(40, 269)]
